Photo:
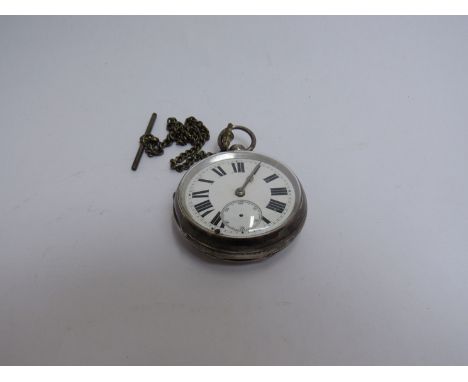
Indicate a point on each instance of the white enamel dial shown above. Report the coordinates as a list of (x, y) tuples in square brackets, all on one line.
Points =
[(264, 199)]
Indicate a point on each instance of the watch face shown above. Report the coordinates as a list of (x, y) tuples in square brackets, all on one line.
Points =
[(239, 195)]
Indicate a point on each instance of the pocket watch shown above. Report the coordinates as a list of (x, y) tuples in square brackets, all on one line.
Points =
[(239, 205)]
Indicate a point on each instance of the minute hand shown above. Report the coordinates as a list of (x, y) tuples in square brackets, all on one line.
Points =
[(241, 190)]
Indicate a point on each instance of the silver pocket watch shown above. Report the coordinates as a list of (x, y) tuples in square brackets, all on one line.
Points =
[(238, 205)]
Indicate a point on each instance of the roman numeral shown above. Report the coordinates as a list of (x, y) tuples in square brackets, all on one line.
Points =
[(216, 219), (238, 166), (270, 178), (203, 206), (276, 205), (266, 220), (206, 213), (219, 170), (200, 194), (206, 180), (279, 191)]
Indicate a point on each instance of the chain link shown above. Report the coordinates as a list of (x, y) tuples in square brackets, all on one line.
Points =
[(192, 131)]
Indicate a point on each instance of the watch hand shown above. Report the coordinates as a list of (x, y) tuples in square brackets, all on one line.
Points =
[(241, 190)]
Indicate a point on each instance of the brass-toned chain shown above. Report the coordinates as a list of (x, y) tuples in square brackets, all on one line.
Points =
[(192, 131)]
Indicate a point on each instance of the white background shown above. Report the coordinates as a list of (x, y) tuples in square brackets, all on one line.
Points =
[(370, 113)]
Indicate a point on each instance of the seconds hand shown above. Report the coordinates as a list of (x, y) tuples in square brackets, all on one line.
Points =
[(241, 190)]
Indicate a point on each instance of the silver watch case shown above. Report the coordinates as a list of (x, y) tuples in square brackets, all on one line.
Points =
[(240, 249)]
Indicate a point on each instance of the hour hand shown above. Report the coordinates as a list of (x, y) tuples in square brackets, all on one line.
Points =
[(240, 191)]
